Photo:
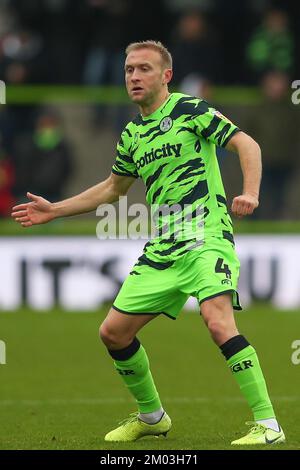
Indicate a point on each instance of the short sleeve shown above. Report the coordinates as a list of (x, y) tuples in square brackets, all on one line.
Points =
[(124, 164), (213, 126)]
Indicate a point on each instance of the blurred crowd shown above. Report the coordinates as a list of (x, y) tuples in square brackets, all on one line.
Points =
[(82, 42)]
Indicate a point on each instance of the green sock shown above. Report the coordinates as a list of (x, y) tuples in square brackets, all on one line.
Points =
[(137, 376), (244, 364)]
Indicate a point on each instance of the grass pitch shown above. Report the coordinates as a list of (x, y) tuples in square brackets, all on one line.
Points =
[(59, 390)]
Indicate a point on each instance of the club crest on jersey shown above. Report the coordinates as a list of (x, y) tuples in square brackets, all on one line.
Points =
[(166, 123)]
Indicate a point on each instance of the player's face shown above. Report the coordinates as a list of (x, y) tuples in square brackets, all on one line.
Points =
[(145, 76)]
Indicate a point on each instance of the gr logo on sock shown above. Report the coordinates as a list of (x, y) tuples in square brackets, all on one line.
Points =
[(125, 371), (241, 366)]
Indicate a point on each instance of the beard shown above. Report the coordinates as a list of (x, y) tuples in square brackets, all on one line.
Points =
[(145, 99)]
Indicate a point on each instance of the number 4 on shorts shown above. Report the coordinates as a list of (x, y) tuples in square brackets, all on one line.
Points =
[(222, 269)]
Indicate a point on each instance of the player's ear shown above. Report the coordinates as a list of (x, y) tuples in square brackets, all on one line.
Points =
[(167, 76)]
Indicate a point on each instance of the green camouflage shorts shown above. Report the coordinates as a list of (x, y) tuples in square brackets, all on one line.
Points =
[(204, 273)]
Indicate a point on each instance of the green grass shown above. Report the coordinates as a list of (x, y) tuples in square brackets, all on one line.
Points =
[(87, 226), (113, 95), (58, 389)]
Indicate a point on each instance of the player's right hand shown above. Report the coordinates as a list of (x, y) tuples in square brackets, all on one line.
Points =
[(39, 211)]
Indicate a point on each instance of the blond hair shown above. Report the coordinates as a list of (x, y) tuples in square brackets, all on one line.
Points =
[(155, 46)]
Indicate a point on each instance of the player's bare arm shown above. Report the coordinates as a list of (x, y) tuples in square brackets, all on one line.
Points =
[(41, 211), (250, 160)]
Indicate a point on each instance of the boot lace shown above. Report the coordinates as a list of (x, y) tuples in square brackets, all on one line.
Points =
[(131, 419)]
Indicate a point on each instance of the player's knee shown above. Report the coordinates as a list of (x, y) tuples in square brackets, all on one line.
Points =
[(108, 336), (112, 338), (221, 328), (217, 327)]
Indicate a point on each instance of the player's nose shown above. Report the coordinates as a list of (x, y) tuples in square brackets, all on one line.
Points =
[(135, 77)]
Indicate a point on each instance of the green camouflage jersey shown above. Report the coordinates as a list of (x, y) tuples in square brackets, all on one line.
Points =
[(173, 150)]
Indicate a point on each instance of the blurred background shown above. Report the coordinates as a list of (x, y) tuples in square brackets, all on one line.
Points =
[(62, 63)]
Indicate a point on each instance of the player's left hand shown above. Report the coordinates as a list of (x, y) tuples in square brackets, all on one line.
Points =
[(244, 205)]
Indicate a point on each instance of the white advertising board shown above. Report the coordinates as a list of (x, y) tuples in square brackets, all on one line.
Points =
[(80, 273)]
